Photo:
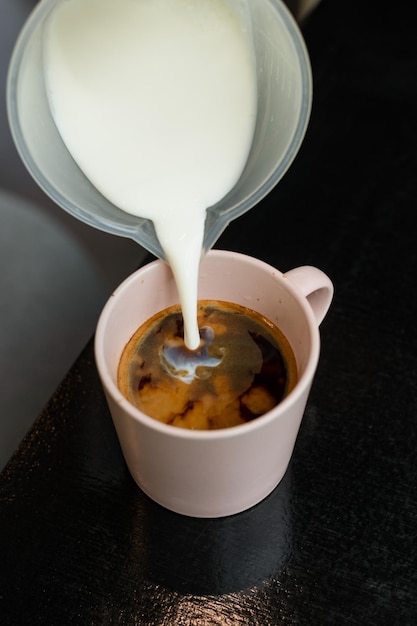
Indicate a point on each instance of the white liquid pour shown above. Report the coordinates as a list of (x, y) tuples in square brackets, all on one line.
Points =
[(156, 102)]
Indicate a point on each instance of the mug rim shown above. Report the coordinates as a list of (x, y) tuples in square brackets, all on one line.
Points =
[(111, 388)]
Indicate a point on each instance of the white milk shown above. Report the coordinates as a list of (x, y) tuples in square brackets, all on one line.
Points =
[(156, 101)]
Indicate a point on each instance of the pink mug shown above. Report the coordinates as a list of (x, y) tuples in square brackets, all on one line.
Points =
[(219, 472)]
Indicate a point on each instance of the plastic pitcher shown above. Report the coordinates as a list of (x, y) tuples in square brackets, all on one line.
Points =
[(284, 103)]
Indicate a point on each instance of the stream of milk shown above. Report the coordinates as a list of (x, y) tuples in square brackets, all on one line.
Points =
[(156, 102)]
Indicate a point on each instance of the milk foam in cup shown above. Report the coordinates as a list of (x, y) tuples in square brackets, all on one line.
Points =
[(284, 93), (214, 473)]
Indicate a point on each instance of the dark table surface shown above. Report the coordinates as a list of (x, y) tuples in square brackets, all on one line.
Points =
[(336, 542)]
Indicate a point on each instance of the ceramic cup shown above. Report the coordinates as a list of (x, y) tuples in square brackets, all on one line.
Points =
[(221, 472)]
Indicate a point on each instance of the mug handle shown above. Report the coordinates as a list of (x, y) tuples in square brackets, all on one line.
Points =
[(316, 286)]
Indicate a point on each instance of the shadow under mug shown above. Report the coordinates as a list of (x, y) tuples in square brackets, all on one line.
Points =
[(221, 472)]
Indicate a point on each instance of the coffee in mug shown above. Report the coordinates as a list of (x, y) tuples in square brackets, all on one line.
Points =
[(243, 367)]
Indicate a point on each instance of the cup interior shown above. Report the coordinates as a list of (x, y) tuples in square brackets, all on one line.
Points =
[(225, 276), (284, 102)]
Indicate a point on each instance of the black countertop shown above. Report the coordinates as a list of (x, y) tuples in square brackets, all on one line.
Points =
[(336, 542)]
